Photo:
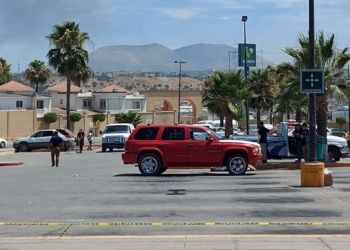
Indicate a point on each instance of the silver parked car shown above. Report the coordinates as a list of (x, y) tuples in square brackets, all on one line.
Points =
[(3, 143), (40, 140)]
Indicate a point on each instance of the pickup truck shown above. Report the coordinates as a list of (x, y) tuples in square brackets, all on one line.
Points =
[(282, 145), (115, 135)]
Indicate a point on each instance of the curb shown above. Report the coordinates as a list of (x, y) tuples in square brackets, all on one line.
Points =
[(292, 166), (7, 152), (9, 164)]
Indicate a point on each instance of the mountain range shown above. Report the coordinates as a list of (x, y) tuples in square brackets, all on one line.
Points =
[(158, 58)]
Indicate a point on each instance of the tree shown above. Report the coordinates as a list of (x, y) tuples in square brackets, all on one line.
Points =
[(332, 61), (5, 75), (130, 117), (262, 88), (50, 117), (99, 117), (82, 76), (340, 120), (75, 117), (225, 93), (37, 73), (67, 55)]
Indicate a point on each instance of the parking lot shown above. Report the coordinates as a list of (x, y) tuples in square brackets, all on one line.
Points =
[(95, 194)]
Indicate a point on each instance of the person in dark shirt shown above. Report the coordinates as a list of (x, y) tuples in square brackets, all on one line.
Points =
[(297, 133), (55, 145), (263, 132), (81, 136)]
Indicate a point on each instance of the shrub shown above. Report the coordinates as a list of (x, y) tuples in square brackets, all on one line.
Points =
[(99, 117), (130, 117), (341, 120), (75, 117), (50, 117)]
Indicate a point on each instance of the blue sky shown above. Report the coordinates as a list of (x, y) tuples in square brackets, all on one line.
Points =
[(272, 24)]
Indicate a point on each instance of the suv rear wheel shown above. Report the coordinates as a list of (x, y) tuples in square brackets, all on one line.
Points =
[(23, 147), (237, 164), (149, 164)]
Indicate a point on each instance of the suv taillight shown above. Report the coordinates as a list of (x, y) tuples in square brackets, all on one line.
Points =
[(126, 147), (69, 136)]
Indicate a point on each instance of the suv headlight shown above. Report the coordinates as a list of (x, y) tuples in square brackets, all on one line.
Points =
[(256, 151), (104, 139), (345, 144)]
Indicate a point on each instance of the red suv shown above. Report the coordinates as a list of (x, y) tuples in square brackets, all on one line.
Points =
[(154, 148)]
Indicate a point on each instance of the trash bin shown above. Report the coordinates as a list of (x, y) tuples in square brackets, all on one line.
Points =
[(319, 147)]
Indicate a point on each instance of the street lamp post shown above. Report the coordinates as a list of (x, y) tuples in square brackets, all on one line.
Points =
[(179, 110), (312, 97), (349, 96), (244, 20)]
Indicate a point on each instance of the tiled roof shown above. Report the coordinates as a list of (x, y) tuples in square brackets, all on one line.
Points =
[(62, 87), (15, 87), (114, 88)]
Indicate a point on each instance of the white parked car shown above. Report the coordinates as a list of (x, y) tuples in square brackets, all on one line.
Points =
[(3, 143), (115, 135)]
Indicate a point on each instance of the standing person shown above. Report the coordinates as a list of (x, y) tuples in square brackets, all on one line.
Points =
[(55, 146), (298, 141), (263, 132), (81, 136), (305, 134), (89, 137)]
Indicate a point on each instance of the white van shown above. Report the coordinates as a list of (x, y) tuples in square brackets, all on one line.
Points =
[(216, 124), (205, 122)]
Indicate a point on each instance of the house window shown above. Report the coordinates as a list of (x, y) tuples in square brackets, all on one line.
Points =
[(103, 104), (87, 103), (40, 104), (61, 101), (19, 104), (136, 105)]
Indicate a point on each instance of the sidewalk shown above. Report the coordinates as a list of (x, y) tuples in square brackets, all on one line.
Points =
[(193, 242)]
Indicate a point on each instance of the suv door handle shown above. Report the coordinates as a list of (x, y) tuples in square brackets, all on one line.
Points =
[(160, 145), (191, 145)]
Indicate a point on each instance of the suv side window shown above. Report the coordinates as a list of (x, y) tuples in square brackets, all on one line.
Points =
[(173, 134), (146, 134), (198, 134), (47, 133), (38, 134)]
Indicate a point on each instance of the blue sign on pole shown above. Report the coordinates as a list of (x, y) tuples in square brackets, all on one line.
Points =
[(250, 54)]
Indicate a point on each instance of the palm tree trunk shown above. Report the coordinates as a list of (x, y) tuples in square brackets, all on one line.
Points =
[(36, 87), (271, 111), (321, 120), (288, 115), (258, 116), (228, 123), (298, 115), (68, 102), (222, 117)]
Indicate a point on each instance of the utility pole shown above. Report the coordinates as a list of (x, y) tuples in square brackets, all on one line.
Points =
[(179, 111), (262, 61), (229, 60), (244, 20)]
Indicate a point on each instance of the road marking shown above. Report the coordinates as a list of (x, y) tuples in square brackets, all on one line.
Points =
[(160, 224)]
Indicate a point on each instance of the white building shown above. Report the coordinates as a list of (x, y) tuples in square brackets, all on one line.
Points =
[(113, 98), (17, 96)]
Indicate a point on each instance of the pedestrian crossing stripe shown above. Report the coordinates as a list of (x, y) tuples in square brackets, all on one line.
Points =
[(160, 224)]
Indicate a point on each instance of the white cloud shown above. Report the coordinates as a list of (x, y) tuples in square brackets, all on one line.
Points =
[(181, 13)]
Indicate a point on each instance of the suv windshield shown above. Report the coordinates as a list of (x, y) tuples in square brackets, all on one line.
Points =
[(216, 135), (117, 129)]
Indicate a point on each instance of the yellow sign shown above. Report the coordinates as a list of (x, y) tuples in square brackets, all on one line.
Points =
[(98, 123)]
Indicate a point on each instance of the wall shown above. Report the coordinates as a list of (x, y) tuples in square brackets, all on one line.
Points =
[(47, 107), (21, 123), (56, 103), (7, 103)]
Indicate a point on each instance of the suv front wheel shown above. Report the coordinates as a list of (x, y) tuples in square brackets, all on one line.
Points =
[(237, 164), (149, 164)]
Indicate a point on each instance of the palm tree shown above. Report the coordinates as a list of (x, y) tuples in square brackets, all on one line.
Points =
[(290, 99), (332, 61), (130, 117), (82, 76), (226, 94), (67, 55), (262, 87), (5, 75), (37, 73)]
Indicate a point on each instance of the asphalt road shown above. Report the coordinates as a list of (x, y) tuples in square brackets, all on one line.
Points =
[(97, 188)]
